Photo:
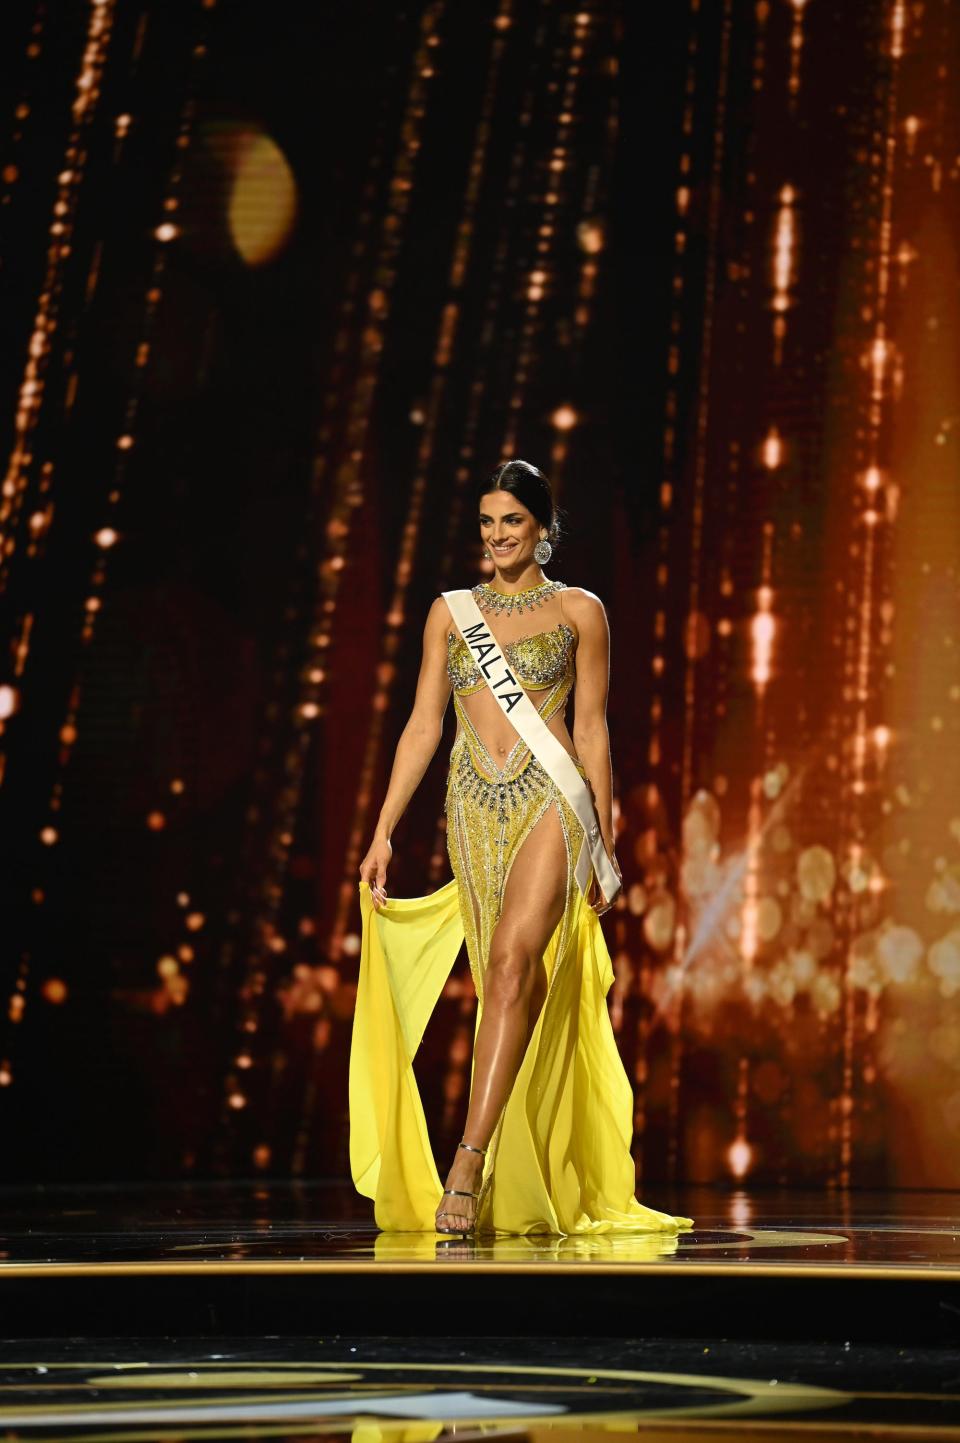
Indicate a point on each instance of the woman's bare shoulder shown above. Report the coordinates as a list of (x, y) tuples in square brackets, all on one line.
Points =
[(439, 614), (584, 606)]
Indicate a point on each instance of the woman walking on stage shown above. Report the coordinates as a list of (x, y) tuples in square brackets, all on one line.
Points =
[(546, 1142)]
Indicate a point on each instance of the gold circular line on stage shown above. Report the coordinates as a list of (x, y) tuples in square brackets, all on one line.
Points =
[(746, 1396)]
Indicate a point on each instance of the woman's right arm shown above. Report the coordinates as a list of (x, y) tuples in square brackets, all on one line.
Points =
[(418, 742)]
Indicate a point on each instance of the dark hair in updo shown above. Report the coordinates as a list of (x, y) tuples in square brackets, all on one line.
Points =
[(532, 489)]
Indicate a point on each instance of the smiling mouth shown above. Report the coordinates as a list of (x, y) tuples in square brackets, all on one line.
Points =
[(510, 547)]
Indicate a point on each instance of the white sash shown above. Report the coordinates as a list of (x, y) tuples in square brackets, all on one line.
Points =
[(548, 750)]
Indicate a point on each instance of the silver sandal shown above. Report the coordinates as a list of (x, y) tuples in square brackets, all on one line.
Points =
[(456, 1192)]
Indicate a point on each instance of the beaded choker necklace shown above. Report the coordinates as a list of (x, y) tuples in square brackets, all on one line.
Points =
[(497, 601)]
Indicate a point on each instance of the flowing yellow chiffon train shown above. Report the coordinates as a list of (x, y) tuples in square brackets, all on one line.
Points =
[(560, 1157)]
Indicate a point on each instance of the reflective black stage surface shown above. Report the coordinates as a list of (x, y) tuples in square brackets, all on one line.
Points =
[(276, 1310), (376, 1389), (281, 1227)]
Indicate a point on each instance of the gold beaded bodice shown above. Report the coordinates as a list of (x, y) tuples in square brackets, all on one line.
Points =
[(542, 663), (537, 661)]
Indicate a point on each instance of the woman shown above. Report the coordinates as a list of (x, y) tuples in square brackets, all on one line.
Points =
[(549, 1120)]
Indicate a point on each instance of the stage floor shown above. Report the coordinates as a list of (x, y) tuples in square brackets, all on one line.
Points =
[(278, 1227), (278, 1310)]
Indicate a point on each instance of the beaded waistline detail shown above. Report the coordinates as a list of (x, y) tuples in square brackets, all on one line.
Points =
[(501, 796)]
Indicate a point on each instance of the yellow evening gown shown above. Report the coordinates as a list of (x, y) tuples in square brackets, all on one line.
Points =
[(559, 1161)]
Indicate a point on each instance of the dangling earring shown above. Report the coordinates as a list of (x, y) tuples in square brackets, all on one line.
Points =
[(542, 552), (486, 554)]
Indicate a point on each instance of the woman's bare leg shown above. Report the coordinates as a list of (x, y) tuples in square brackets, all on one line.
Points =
[(514, 988)]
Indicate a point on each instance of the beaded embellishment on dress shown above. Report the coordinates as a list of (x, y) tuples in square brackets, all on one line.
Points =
[(538, 660), (492, 803), (489, 599)]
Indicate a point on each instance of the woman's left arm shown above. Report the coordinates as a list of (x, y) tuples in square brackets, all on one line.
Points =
[(590, 735)]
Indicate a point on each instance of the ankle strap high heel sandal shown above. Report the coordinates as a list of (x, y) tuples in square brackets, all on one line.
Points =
[(456, 1192)]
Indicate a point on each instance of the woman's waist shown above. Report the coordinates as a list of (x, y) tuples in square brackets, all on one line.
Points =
[(507, 762)]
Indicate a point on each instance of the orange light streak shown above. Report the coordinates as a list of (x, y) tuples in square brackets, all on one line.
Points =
[(763, 629), (772, 449), (783, 266), (878, 364), (552, 201), (32, 388), (796, 48)]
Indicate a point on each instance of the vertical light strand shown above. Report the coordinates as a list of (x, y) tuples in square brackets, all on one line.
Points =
[(783, 266), (704, 389), (704, 395), (551, 189), (668, 484), (591, 239), (30, 400), (794, 79), (867, 518), (653, 899), (762, 628)]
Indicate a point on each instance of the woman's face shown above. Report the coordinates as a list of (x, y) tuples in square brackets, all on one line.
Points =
[(508, 530)]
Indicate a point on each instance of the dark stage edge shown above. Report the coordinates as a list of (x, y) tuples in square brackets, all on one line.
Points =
[(378, 1388), (268, 1257)]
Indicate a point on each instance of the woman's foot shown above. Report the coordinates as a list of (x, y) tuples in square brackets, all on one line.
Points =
[(457, 1214)]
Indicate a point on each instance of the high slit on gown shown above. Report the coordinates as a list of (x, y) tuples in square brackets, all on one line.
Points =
[(559, 1159)]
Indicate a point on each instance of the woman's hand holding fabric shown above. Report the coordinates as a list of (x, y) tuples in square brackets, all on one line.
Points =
[(373, 869)]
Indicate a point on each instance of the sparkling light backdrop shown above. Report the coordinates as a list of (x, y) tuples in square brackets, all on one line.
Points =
[(279, 291)]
